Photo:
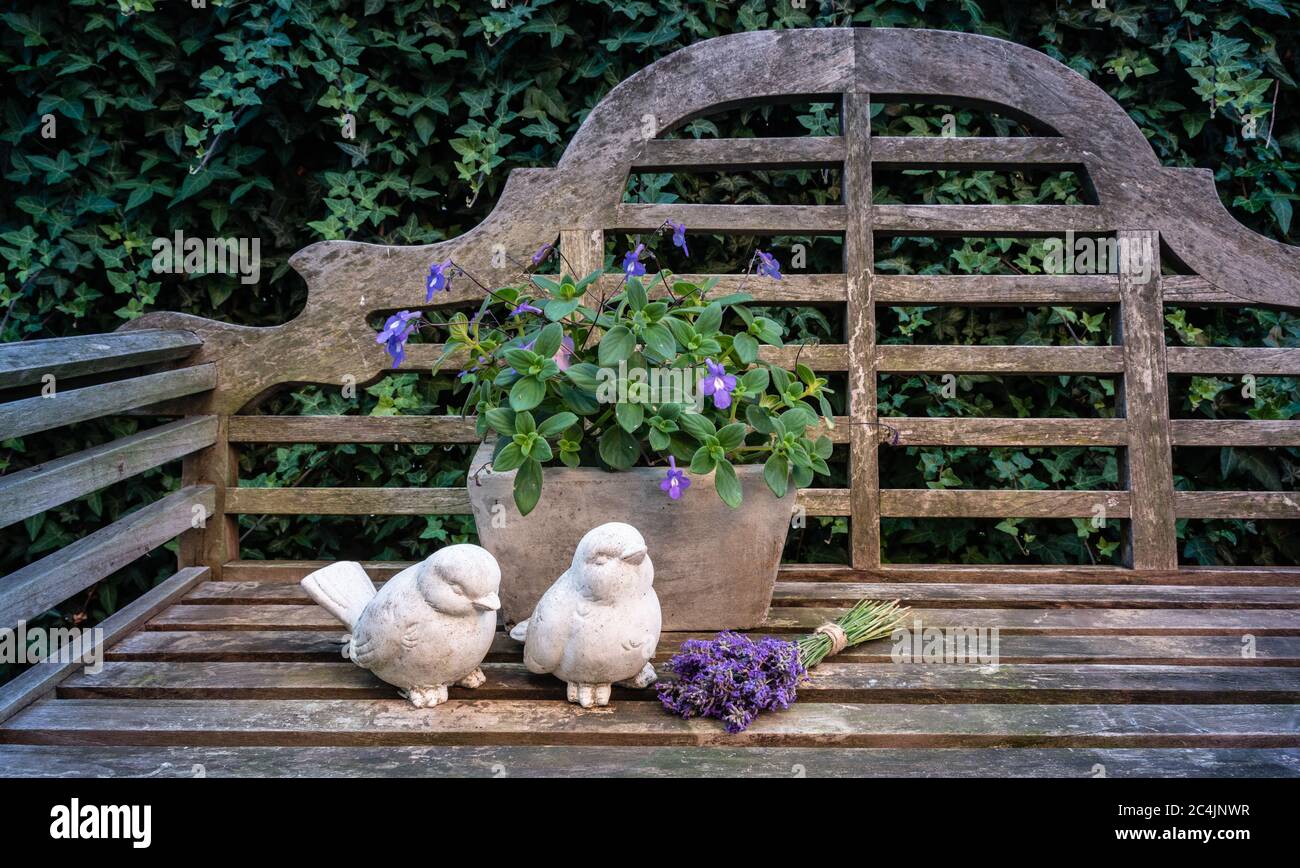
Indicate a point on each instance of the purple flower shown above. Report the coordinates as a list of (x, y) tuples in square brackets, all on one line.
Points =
[(768, 266), (564, 355), (632, 265), (679, 236), (438, 280), (524, 307), (718, 383), (397, 329), (732, 678), (541, 254), (676, 482)]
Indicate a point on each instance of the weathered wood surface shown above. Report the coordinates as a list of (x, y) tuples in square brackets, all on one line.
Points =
[(802, 619), (1235, 432), (953, 502), (35, 588), (974, 220), (929, 595), (49, 761), (934, 431), (972, 152), (994, 289), (324, 722), (830, 682), (26, 362), (352, 429), (1257, 361), (916, 358), (709, 155), (43, 486), (323, 646), (68, 406), (1237, 504), (42, 677)]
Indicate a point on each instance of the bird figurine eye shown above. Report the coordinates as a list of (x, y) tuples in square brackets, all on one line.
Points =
[(457, 588), (600, 560)]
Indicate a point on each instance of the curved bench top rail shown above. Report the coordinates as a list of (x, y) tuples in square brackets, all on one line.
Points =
[(584, 191)]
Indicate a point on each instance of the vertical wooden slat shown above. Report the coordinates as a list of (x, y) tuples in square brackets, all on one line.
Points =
[(864, 467), (218, 541), (584, 252), (1152, 540)]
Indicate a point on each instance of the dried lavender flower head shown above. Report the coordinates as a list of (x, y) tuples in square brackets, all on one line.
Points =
[(732, 678)]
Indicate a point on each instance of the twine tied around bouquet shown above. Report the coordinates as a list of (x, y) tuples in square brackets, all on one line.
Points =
[(834, 632)]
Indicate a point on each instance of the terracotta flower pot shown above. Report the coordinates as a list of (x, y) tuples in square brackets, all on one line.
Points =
[(715, 566)]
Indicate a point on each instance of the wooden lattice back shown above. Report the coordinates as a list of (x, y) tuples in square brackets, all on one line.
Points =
[(1141, 202)]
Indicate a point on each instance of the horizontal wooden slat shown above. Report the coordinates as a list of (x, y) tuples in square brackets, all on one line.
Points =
[(68, 406), (921, 594), (352, 429), (1260, 361), (291, 571), (790, 289), (26, 362), (934, 431), (805, 724), (976, 220), (994, 289), (668, 155), (956, 152), (914, 358), (824, 501), (34, 682), (66, 761), (1235, 432), (1237, 504), (347, 501), (767, 219), (967, 503), (819, 357), (1193, 290), (832, 681), (802, 619), (324, 645), (33, 589), (38, 488)]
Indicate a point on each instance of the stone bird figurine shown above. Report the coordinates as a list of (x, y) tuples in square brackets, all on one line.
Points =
[(428, 627), (599, 623)]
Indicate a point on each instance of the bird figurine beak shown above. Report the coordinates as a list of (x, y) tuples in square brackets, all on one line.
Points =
[(488, 603), (634, 556)]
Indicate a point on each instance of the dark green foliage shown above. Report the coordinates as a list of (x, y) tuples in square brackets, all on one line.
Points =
[(227, 121)]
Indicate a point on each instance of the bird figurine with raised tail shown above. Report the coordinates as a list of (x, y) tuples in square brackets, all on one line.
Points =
[(598, 625), (428, 627)]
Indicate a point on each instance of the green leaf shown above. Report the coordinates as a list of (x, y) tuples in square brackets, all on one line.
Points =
[(636, 294), (501, 420), (615, 346), (528, 485), (746, 348), (584, 375), (524, 423), (727, 484), (710, 320), (732, 435), (527, 393), (659, 341), (558, 309), (776, 473), (508, 458), (548, 342), (629, 416), (556, 424), (696, 425), (619, 449), (702, 461)]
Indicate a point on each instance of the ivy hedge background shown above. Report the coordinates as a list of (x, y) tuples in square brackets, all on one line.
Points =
[(226, 120)]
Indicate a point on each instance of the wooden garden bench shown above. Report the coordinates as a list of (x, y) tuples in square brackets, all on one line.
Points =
[(1108, 670)]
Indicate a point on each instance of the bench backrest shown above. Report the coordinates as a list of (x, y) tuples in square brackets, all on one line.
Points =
[(1148, 208)]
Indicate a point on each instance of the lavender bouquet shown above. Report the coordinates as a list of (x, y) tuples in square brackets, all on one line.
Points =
[(733, 678)]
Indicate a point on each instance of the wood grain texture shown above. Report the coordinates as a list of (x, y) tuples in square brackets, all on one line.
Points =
[(1234, 432), (33, 589), (1005, 503), (812, 724), (1237, 504), (348, 501), (711, 155), (740, 219), (1259, 361), (26, 362), (467, 761), (68, 406), (919, 358), (934, 431), (40, 678), (972, 152), (860, 336), (990, 290), (941, 221), (43, 486), (352, 429), (1152, 540)]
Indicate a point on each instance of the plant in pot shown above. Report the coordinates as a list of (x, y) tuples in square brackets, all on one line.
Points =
[(651, 406)]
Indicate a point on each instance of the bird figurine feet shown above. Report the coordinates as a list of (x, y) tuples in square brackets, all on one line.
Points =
[(428, 627), (599, 624)]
